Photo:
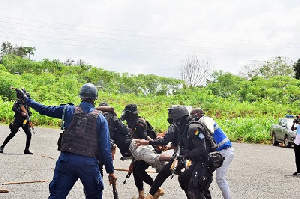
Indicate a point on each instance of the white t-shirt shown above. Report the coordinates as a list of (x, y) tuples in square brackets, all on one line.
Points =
[(297, 139)]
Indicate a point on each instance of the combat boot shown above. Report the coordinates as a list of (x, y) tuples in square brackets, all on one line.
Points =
[(1, 148), (149, 196), (141, 194), (26, 151), (160, 192)]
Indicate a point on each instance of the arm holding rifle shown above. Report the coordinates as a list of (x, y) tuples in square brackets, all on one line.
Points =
[(175, 161)]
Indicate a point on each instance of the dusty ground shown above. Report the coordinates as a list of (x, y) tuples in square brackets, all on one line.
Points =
[(257, 171)]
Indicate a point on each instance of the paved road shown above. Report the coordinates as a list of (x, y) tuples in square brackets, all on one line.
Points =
[(257, 171)]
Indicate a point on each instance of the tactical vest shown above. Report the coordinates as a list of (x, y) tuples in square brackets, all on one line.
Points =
[(81, 136), (197, 129), (139, 121)]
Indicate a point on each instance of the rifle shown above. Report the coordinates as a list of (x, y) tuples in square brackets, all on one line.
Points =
[(27, 120), (127, 176), (129, 171), (175, 161), (114, 185)]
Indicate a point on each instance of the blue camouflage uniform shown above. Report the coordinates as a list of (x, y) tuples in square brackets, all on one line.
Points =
[(70, 166)]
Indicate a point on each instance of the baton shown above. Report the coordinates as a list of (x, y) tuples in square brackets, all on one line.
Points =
[(115, 191)]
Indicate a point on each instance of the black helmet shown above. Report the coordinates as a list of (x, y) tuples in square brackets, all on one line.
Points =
[(131, 108), (88, 90), (176, 112), (130, 111), (27, 93), (21, 94)]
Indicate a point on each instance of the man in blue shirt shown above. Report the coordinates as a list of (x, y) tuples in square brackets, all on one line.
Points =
[(85, 140)]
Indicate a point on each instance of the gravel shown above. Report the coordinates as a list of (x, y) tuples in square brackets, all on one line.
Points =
[(257, 171)]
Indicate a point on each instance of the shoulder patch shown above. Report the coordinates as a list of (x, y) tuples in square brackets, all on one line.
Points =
[(201, 136)]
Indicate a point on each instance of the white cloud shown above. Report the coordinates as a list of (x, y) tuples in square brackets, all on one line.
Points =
[(154, 36)]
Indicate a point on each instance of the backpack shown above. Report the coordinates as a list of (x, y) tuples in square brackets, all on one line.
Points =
[(214, 158)]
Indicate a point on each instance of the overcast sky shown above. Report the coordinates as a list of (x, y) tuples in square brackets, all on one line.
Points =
[(154, 37)]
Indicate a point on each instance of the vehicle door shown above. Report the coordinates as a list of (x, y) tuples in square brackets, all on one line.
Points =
[(277, 129), (283, 129)]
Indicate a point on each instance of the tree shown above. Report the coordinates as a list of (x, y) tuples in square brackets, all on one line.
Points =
[(29, 51), (297, 69), (7, 48), (277, 66), (69, 62), (195, 72), (225, 84)]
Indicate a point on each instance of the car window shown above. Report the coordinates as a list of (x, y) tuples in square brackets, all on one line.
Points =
[(284, 121), (290, 123), (280, 121)]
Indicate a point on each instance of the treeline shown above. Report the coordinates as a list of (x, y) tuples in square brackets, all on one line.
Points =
[(245, 109), (52, 71)]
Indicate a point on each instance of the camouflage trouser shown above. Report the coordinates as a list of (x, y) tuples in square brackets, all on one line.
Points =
[(146, 153)]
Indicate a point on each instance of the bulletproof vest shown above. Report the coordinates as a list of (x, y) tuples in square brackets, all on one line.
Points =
[(139, 121), (197, 129), (81, 136), (17, 108)]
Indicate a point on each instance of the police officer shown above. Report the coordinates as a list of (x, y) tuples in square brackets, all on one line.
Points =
[(138, 127), (224, 146), (86, 137), (196, 179), (178, 118), (22, 119), (119, 132)]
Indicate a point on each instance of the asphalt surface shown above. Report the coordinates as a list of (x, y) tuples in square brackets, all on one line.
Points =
[(257, 171)]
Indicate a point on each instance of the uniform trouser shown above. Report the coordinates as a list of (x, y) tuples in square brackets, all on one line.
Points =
[(70, 167), (297, 156), (161, 177), (18, 122), (190, 182), (140, 175), (221, 172)]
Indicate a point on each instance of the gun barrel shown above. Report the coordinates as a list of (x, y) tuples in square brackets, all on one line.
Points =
[(115, 192)]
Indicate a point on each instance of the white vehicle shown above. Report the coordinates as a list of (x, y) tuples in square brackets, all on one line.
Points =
[(282, 132)]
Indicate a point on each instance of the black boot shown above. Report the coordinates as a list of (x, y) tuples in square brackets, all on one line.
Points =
[(26, 151), (1, 148)]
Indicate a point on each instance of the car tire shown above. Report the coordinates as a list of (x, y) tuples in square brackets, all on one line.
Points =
[(286, 142), (274, 142)]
